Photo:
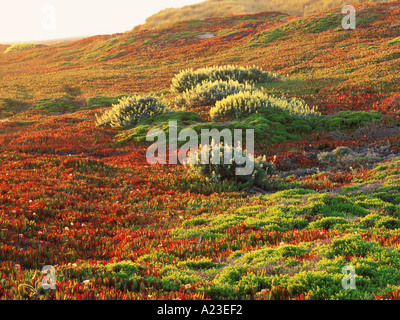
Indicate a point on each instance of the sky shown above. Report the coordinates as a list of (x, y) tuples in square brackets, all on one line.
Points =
[(30, 20)]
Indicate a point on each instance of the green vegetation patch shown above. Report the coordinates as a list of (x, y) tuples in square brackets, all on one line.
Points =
[(131, 110), (350, 120), (57, 105), (394, 41), (270, 125), (9, 107), (102, 101), (245, 103), (23, 46)]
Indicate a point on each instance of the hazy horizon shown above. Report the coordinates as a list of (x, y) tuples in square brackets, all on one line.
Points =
[(40, 20)]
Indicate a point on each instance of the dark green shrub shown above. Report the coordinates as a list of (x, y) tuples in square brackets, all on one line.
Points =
[(124, 268), (327, 223), (9, 107), (319, 284), (58, 105), (202, 264), (370, 220), (351, 119), (291, 251), (352, 245), (230, 276), (334, 206), (388, 223), (99, 101)]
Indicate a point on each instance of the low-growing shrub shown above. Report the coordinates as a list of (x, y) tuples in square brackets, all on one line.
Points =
[(130, 110), (375, 220), (291, 251), (9, 107), (342, 152), (124, 268), (327, 223), (208, 93), (100, 101), (245, 103), (333, 206), (327, 157), (188, 79), (216, 173), (58, 105), (351, 119), (351, 245), (230, 275), (202, 264)]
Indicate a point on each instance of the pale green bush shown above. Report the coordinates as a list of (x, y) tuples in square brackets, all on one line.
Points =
[(217, 173), (208, 93), (245, 103), (130, 110), (188, 79), (327, 157), (342, 152)]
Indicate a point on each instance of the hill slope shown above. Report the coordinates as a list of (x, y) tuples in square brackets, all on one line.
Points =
[(216, 8), (326, 65), (84, 198)]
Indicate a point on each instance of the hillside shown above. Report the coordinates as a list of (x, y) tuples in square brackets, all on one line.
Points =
[(78, 192), (3, 47), (216, 8), (321, 60)]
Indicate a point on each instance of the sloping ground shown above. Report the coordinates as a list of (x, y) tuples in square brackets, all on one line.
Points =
[(216, 8), (114, 227), (327, 66)]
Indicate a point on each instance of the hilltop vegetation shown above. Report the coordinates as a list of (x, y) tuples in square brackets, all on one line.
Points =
[(220, 8), (357, 70), (23, 46)]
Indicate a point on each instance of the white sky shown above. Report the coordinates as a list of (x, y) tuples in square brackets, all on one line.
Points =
[(29, 20)]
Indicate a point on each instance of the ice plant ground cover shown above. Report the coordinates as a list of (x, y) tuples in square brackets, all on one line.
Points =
[(83, 198)]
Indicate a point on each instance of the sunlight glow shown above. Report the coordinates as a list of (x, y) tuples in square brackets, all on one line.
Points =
[(30, 20)]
